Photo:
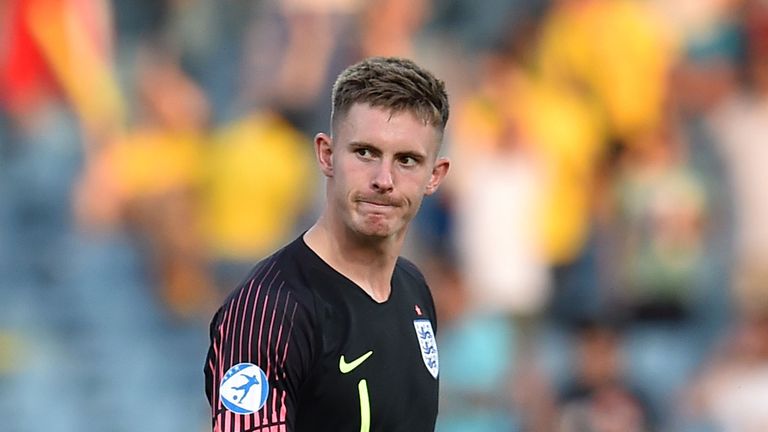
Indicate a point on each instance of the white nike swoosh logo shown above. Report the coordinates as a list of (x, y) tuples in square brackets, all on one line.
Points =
[(345, 367)]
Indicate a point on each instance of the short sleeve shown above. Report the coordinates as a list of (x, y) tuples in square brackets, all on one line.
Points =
[(261, 351)]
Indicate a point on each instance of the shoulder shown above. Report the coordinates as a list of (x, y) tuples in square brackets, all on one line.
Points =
[(276, 282), (269, 311), (410, 271), (414, 282)]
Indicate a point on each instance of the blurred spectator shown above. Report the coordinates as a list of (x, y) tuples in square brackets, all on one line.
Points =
[(660, 230), (709, 39), (598, 397), (256, 189), (602, 82), (568, 143), (731, 394), (478, 29), (389, 27), (616, 53), (661, 207), (314, 30), (292, 50), (741, 126), (149, 178), (498, 187), (477, 358), (60, 47)]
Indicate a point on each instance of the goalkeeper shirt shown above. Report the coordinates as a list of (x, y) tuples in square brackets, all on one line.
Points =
[(300, 347)]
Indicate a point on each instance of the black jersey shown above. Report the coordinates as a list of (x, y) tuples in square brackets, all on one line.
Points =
[(299, 347)]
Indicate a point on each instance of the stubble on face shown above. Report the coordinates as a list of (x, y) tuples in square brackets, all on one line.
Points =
[(378, 220), (376, 189)]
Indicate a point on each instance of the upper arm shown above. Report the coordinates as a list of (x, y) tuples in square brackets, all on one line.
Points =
[(262, 332)]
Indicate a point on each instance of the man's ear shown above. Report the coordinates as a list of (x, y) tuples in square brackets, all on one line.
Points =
[(439, 172), (324, 153)]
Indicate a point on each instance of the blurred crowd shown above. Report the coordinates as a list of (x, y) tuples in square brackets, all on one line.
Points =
[(598, 255)]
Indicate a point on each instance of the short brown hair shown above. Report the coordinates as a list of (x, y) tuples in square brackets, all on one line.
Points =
[(392, 83)]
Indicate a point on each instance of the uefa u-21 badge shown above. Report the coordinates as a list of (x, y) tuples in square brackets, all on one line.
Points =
[(428, 345), (244, 388)]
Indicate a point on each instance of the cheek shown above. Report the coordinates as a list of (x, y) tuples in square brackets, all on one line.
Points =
[(347, 175), (417, 183), (414, 189), (356, 183), (350, 186)]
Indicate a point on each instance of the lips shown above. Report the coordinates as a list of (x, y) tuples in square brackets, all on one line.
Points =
[(377, 202), (376, 205)]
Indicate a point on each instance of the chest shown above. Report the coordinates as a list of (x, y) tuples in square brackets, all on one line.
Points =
[(379, 366)]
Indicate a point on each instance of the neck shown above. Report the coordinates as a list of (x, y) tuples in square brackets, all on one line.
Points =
[(368, 262)]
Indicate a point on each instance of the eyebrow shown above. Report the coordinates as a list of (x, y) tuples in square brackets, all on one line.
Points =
[(363, 144)]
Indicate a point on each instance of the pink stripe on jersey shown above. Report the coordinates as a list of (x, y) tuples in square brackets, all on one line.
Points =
[(230, 332), (280, 330), (288, 338), (257, 419), (283, 411), (269, 334), (241, 342), (226, 329), (274, 406), (256, 301), (263, 314), (236, 422), (220, 357), (231, 345), (253, 319)]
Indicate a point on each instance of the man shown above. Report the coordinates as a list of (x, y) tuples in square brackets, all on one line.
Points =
[(337, 332)]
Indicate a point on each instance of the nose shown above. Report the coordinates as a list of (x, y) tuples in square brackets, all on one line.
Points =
[(382, 181)]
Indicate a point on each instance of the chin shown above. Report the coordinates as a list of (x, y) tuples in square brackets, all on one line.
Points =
[(376, 226), (374, 230)]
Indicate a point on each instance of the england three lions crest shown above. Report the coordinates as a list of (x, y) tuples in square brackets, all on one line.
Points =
[(428, 345)]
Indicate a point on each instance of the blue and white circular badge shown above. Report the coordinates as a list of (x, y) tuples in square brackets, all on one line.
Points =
[(244, 388)]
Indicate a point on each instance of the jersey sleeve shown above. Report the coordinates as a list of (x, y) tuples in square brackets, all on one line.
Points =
[(261, 351)]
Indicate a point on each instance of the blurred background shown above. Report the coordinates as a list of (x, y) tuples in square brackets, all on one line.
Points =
[(598, 254)]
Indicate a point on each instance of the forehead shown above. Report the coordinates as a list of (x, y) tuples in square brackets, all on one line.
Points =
[(401, 130)]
